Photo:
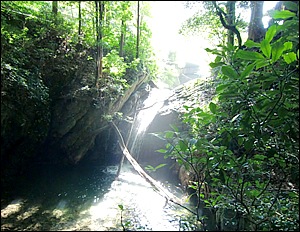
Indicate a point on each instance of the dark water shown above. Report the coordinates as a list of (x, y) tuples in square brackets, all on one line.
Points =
[(46, 192), (88, 198)]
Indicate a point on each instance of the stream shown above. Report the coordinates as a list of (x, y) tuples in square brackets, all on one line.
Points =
[(93, 198), (88, 198)]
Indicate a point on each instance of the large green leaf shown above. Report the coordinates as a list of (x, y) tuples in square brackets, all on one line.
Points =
[(220, 87), (283, 14), (212, 107), (290, 5), (216, 64), (169, 134), (229, 71), (261, 63), (288, 45), (247, 55), (250, 44), (270, 33), (289, 57), (266, 48), (247, 70), (277, 50)]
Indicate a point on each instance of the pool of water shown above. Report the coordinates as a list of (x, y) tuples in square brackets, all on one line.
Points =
[(90, 198)]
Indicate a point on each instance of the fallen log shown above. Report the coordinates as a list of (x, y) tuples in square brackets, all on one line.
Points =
[(163, 192)]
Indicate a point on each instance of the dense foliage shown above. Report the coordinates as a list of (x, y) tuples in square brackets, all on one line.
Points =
[(48, 56), (243, 147)]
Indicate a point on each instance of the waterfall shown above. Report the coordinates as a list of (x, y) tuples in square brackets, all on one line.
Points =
[(144, 117), (89, 197)]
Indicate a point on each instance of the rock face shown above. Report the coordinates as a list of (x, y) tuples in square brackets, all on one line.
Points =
[(185, 176), (168, 115), (77, 121), (106, 147), (148, 150), (148, 143)]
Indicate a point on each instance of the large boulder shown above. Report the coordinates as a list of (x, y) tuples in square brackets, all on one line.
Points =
[(170, 114)]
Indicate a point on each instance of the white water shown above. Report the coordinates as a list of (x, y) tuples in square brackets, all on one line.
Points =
[(143, 208), (145, 116), (152, 104)]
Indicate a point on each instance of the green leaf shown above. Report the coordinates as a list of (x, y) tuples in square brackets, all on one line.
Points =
[(169, 134), (162, 151), (222, 175), (289, 57), (150, 168), (254, 192), (240, 141), (261, 63), (174, 127), (266, 48), (250, 44), (159, 166), (281, 14), (216, 64), (229, 71), (270, 33), (183, 146), (225, 96), (247, 55), (158, 135), (248, 144), (218, 59), (212, 107), (277, 51), (259, 157), (121, 207), (221, 87), (235, 117), (290, 5), (288, 45), (294, 194), (247, 70), (281, 112)]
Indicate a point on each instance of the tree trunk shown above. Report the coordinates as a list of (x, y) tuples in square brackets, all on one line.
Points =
[(138, 30), (54, 7), (230, 18), (122, 38), (99, 6), (97, 40), (256, 28), (79, 18), (101, 36)]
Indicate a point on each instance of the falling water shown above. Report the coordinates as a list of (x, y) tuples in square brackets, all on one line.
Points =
[(144, 117)]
